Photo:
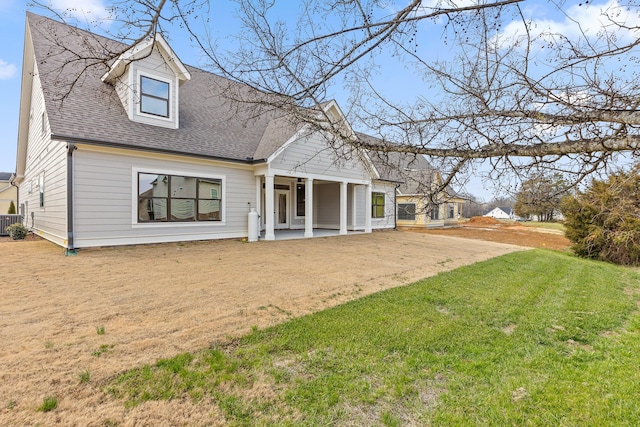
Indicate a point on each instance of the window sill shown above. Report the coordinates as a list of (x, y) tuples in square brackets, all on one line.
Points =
[(178, 224)]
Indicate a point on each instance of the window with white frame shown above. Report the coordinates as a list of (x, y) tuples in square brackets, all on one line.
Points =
[(177, 198), (377, 205), (154, 96)]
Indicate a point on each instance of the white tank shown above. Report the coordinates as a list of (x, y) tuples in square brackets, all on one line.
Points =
[(254, 225)]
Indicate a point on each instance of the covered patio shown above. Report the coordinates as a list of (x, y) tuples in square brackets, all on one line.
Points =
[(300, 234), (294, 207)]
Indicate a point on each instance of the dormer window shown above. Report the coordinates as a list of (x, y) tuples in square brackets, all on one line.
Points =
[(147, 79), (154, 97)]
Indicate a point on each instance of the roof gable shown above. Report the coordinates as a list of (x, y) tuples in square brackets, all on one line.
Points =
[(143, 50)]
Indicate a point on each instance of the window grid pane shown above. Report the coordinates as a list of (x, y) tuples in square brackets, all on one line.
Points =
[(155, 106)]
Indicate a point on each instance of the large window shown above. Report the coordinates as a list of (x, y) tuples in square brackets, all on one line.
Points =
[(407, 211), (377, 205), (154, 97), (178, 198)]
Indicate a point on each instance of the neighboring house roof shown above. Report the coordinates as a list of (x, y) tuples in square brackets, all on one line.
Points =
[(505, 210), (5, 176), (416, 175)]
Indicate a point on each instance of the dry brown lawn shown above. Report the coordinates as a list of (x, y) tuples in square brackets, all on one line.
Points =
[(159, 300), (483, 228)]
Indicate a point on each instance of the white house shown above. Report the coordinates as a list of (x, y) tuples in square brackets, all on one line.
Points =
[(501, 213), (147, 151)]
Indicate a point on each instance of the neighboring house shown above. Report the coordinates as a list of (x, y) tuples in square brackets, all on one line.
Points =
[(501, 213), (8, 193), (418, 180), (148, 152)]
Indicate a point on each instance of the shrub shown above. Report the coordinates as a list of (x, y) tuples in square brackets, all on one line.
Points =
[(12, 208), (17, 231), (603, 222)]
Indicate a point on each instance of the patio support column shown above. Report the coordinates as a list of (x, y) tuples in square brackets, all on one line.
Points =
[(343, 207), (367, 208), (268, 208), (308, 208), (354, 207)]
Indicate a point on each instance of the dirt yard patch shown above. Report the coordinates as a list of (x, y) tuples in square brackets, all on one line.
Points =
[(489, 229), (159, 300)]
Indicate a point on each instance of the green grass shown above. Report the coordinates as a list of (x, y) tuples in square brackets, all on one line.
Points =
[(84, 377), (531, 338), (48, 404), (104, 348), (549, 225)]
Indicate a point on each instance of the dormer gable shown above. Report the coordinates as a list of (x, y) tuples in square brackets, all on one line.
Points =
[(147, 78)]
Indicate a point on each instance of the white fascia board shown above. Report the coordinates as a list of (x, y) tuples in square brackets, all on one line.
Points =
[(172, 59), (29, 71)]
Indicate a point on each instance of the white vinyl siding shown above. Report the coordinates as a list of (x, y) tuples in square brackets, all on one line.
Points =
[(389, 219), (327, 204), (357, 219), (106, 198), (123, 89), (45, 159), (310, 156)]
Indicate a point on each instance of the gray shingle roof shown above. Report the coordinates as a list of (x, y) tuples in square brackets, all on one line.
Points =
[(5, 176), (209, 125), (413, 171), (278, 131)]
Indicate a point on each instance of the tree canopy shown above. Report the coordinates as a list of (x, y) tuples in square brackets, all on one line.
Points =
[(490, 80), (603, 222), (540, 196)]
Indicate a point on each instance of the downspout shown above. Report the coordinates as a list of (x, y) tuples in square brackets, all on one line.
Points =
[(71, 147), (12, 182)]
